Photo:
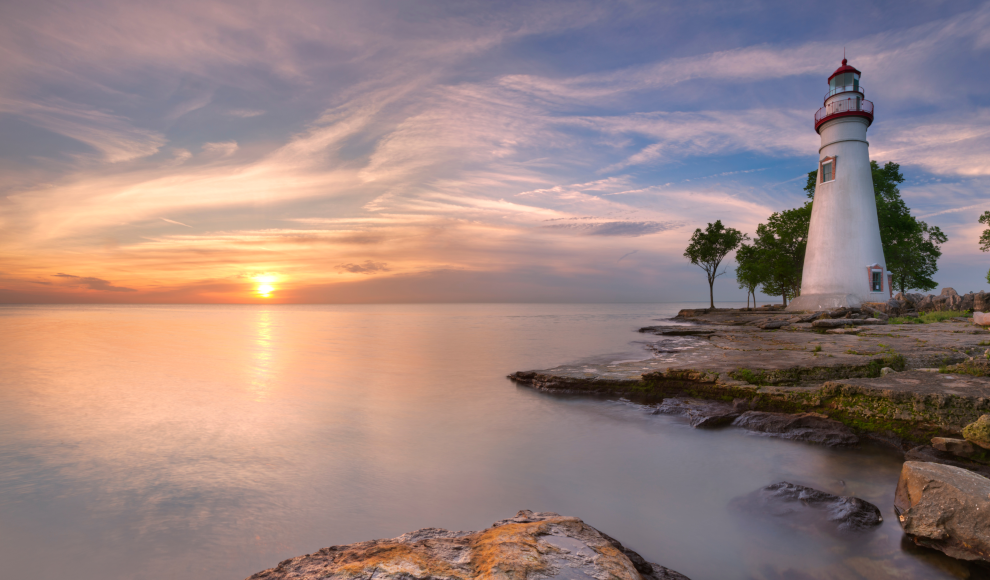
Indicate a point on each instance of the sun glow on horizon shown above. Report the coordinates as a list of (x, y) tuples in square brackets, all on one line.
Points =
[(265, 284)]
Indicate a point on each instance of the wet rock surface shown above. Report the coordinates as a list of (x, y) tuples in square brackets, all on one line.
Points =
[(945, 508), (700, 413), (531, 545), (809, 427), (801, 506)]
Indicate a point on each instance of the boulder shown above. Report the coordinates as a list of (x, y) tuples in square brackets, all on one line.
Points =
[(925, 304), (959, 447), (928, 454), (810, 427), (981, 318), (948, 292), (978, 432), (967, 302), (839, 313), (801, 505), (774, 324), (813, 316), (530, 546), (981, 301), (945, 508)]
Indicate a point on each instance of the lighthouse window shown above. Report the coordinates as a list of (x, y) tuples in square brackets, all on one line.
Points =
[(827, 171), (877, 284)]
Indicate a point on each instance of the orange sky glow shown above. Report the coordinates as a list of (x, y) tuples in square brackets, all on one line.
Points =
[(201, 152)]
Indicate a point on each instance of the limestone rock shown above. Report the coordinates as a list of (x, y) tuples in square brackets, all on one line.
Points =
[(541, 545), (774, 324), (702, 414), (978, 432), (802, 504), (981, 318), (967, 302), (855, 330), (959, 447), (946, 508), (948, 292), (840, 322), (928, 454), (981, 301), (925, 304), (810, 427)]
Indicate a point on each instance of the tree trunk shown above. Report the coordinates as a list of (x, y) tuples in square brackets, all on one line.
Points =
[(785, 300), (711, 293)]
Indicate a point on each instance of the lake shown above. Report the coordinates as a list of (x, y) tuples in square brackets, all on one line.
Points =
[(211, 442)]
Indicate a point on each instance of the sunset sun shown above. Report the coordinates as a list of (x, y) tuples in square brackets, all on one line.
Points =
[(265, 285)]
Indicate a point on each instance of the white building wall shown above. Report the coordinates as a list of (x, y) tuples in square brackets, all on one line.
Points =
[(844, 237)]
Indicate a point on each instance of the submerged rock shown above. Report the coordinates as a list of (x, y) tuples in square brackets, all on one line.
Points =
[(810, 427), (806, 505), (541, 545), (946, 508), (700, 413)]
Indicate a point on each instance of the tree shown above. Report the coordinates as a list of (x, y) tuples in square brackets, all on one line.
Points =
[(780, 246), (985, 236), (910, 246), (750, 272), (708, 248)]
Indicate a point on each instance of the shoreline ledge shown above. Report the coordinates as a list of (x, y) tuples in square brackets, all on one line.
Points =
[(537, 545), (883, 381)]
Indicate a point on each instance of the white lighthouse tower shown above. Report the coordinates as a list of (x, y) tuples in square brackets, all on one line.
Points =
[(844, 264)]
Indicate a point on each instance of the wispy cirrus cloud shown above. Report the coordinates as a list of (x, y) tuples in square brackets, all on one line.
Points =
[(428, 139)]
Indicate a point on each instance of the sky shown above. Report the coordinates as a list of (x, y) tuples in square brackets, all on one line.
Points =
[(431, 151)]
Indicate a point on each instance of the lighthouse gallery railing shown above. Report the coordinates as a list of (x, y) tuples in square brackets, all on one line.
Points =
[(844, 106)]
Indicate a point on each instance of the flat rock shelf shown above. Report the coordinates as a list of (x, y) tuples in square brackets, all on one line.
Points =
[(883, 381)]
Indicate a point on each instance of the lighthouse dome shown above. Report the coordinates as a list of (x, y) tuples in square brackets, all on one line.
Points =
[(845, 78)]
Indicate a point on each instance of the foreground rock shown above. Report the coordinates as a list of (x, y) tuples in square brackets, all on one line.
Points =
[(946, 508), (539, 545), (802, 505), (809, 427)]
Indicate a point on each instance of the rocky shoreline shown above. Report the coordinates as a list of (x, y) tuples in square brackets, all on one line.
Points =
[(836, 379)]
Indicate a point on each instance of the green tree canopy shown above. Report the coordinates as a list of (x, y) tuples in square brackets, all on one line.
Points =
[(780, 246), (708, 248), (985, 236), (751, 271), (910, 246)]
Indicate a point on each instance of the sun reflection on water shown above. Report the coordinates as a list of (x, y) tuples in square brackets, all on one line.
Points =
[(263, 357)]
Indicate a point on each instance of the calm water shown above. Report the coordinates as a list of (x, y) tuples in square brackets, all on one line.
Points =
[(205, 442)]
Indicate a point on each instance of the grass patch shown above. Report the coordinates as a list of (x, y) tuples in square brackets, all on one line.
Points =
[(818, 347), (929, 317)]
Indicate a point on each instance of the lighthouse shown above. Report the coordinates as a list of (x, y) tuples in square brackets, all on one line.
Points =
[(844, 264)]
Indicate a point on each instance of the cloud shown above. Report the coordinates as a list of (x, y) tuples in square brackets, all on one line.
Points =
[(368, 267), (93, 283), (114, 136), (176, 223), (245, 113), (224, 149), (626, 229)]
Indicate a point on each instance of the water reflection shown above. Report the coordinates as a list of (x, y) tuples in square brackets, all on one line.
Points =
[(264, 353), (132, 444)]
